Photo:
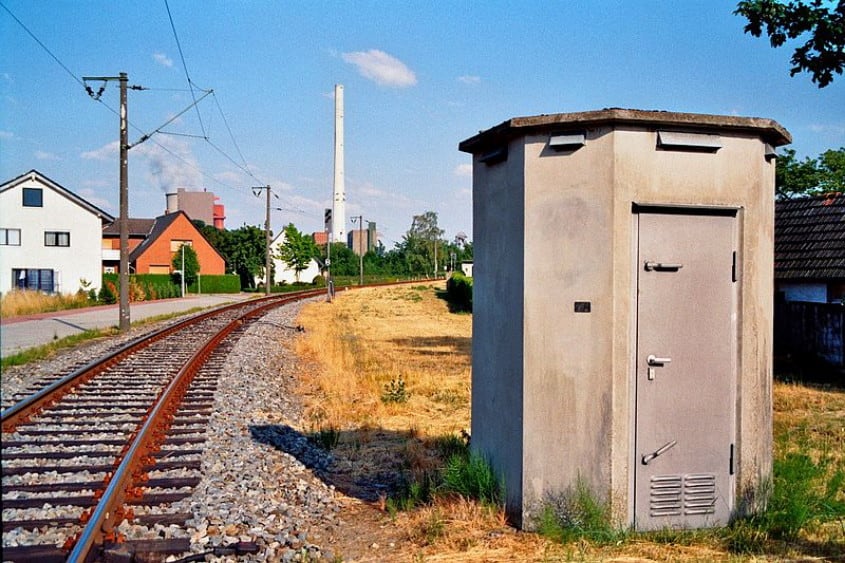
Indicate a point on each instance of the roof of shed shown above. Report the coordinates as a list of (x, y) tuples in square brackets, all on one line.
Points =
[(767, 129), (810, 238)]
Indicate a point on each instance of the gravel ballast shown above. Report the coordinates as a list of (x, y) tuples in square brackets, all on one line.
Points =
[(260, 479)]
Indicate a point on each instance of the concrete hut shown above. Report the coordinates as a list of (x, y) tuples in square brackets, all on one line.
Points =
[(623, 312)]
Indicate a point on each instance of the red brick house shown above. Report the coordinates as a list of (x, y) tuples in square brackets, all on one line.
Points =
[(154, 242)]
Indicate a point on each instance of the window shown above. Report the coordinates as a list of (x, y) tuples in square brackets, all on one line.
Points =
[(33, 197), (56, 238), (33, 278), (10, 237), (176, 245)]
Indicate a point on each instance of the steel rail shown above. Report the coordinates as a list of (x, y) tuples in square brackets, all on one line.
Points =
[(109, 510), (20, 412)]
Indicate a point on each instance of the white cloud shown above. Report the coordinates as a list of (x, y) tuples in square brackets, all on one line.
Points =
[(828, 128), (6, 135), (463, 169), (163, 59), (44, 155), (106, 152), (91, 196), (381, 68), (469, 79)]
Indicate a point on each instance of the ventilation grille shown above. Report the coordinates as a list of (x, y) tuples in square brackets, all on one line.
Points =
[(674, 495)]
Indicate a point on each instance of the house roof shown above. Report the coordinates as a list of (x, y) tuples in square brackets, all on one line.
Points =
[(137, 227), (810, 238), (159, 226), (35, 175), (767, 129), (150, 230)]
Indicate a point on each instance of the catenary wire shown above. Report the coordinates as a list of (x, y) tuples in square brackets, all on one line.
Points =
[(184, 64)]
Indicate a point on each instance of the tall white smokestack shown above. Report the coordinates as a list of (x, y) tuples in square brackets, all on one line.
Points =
[(339, 201)]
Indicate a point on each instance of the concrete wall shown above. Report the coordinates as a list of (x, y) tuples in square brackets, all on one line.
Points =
[(498, 328), (568, 249), (81, 260)]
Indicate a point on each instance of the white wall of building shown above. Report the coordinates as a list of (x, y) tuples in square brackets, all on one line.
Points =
[(284, 273), (81, 260), (812, 292)]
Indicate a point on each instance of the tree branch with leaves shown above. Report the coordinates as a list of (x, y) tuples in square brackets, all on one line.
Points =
[(822, 54)]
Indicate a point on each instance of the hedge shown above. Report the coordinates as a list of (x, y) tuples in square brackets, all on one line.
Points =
[(229, 283), (459, 291), (149, 287)]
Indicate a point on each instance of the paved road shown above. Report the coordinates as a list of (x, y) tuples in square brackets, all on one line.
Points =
[(19, 333)]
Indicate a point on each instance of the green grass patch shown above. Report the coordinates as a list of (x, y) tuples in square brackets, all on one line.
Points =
[(46, 350), (579, 514), (470, 475)]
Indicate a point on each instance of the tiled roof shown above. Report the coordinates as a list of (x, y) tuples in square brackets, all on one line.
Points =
[(137, 227), (810, 238), (160, 224)]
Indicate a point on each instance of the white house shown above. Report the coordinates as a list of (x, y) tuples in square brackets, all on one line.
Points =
[(284, 273), (50, 238)]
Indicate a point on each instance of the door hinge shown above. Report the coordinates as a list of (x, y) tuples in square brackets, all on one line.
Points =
[(733, 268), (731, 462)]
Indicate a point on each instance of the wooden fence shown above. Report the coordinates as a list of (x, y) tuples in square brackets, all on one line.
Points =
[(811, 332)]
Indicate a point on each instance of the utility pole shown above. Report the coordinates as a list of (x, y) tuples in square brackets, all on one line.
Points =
[(123, 218), (256, 191), (124, 206)]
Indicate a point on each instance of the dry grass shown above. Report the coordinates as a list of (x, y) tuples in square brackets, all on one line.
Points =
[(369, 338), (24, 302)]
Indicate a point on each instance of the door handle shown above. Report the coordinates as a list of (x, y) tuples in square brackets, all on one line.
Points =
[(660, 451), (655, 361), (662, 266)]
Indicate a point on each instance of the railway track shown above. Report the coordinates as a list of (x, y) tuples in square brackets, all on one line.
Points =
[(93, 461)]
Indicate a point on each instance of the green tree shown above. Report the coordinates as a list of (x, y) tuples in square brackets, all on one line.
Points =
[(191, 263), (297, 250), (344, 261), (822, 54), (245, 253), (422, 247), (811, 176)]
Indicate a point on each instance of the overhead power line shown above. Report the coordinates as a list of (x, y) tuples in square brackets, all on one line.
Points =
[(184, 64), (192, 87), (43, 46)]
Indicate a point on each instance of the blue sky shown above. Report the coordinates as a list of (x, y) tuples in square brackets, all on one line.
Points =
[(418, 77)]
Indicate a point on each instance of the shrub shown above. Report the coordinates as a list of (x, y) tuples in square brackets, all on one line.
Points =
[(395, 392), (318, 281), (459, 292), (108, 293)]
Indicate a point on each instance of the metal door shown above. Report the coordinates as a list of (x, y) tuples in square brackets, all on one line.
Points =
[(685, 380)]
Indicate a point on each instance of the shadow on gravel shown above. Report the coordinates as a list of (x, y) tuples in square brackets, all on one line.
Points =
[(360, 463)]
